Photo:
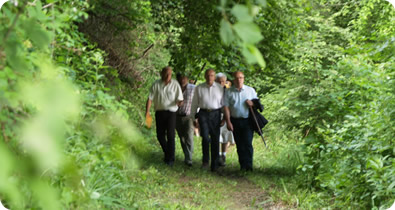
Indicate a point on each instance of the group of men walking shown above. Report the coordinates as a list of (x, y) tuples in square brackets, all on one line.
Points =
[(179, 105)]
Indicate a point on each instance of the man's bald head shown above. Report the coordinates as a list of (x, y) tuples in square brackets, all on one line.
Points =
[(238, 79), (165, 74), (209, 75)]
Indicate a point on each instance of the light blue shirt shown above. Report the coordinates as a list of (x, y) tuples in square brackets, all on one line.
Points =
[(235, 100)]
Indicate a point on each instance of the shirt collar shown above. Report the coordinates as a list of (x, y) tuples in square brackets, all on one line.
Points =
[(241, 89), (163, 83), (214, 84)]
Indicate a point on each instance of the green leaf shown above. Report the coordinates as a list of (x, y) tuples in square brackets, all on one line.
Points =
[(15, 56), (257, 54), (263, 3), (36, 33), (248, 32), (241, 13), (250, 58), (253, 55), (223, 3), (226, 32)]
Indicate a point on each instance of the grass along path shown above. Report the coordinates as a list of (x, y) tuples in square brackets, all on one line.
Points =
[(270, 186)]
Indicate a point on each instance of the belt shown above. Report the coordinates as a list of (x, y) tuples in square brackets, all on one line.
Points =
[(210, 110), (238, 118), (181, 115)]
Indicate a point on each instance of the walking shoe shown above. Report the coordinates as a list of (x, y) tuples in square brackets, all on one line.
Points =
[(188, 163), (169, 163), (221, 160), (205, 166)]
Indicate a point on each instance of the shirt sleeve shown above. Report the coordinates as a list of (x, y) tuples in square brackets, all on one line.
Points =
[(180, 96), (226, 98), (195, 101), (254, 95), (223, 97)]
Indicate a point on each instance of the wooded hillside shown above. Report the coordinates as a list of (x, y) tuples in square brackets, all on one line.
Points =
[(75, 76)]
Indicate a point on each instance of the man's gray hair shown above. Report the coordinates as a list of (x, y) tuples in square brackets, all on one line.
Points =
[(220, 75)]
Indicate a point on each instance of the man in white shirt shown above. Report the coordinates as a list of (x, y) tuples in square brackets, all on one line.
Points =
[(208, 97), (236, 107), (167, 96)]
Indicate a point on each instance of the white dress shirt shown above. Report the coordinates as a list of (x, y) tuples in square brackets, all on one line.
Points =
[(207, 97), (165, 97)]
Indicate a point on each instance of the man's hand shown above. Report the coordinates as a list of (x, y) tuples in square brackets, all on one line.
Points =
[(249, 103), (222, 122), (180, 103), (229, 126), (148, 120), (196, 123)]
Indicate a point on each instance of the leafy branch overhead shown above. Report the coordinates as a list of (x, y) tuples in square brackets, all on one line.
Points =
[(244, 32)]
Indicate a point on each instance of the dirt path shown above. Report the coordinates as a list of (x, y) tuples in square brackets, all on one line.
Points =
[(248, 195), (241, 194)]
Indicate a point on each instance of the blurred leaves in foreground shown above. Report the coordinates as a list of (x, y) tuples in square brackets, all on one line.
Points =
[(53, 135)]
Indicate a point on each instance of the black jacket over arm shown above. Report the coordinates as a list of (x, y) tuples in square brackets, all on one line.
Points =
[(260, 119)]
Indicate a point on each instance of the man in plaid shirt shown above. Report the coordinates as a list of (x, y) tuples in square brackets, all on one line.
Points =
[(184, 123)]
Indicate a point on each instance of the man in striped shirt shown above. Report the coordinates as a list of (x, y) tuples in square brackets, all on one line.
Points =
[(184, 123)]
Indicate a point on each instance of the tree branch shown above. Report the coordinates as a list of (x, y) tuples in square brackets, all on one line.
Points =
[(14, 22)]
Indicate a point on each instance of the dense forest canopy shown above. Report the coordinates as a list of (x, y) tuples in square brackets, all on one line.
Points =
[(74, 77)]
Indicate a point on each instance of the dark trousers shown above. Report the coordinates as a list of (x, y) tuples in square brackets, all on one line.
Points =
[(165, 132), (243, 135), (209, 123)]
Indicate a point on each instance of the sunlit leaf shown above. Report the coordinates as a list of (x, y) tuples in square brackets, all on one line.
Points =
[(37, 34), (258, 56), (248, 32), (241, 13), (263, 3), (226, 32)]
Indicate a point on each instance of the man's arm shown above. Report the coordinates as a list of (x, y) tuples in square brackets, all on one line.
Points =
[(227, 118), (180, 103), (250, 103), (194, 104), (148, 107)]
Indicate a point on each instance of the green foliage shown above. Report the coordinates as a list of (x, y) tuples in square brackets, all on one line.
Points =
[(57, 114), (71, 114), (244, 31), (339, 99)]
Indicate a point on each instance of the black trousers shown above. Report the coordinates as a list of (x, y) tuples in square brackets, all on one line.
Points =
[(165, 132), (209, 130), (243, 135)]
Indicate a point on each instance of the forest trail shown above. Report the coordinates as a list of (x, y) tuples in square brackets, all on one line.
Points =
[(194, 187), (236, 191)]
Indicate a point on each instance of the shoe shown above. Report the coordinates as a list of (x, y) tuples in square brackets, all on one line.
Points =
[(215, 169), (188, 164), (222, 160), (205, 166), (170, 163), (220, 171)]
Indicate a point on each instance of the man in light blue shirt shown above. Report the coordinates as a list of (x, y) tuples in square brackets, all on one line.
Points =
[(236, 106)]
